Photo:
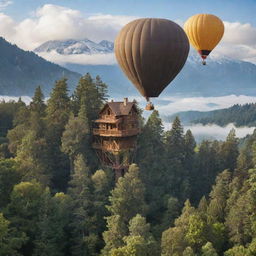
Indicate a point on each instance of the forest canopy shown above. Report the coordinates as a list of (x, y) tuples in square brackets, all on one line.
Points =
[(178, 198)]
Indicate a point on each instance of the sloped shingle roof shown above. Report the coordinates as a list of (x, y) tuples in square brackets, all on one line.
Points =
[(119, 108)]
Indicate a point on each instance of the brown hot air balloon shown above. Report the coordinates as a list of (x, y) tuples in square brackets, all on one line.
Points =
[(151, 52)]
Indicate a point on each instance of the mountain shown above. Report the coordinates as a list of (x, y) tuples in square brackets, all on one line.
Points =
[(240, 115), (217, 78), (68, 47), (22, 71), (221, 76)]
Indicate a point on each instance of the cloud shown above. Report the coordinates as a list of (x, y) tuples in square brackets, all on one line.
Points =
[(239, 42), (201, 132), (5, 3), (83, 59), (177, 104), (53, 22), (25, 99)]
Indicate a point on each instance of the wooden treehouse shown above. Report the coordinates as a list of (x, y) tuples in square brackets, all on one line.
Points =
[(115, 135)]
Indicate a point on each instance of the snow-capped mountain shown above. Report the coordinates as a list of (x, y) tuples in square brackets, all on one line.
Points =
[(71, 46), (221, 76)]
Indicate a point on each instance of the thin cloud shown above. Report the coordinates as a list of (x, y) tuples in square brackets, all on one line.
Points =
[(82, 59), (213, 131), (5, 3), (177, 104)]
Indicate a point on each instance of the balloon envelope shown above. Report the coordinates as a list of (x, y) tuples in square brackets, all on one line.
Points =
[(151, 52), (204, 32)]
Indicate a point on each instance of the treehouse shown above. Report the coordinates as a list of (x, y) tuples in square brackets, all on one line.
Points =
[(115, 135)]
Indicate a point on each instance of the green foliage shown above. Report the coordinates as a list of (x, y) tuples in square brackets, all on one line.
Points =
[(139, 241), (9, 177), (23, 211), (52, 236), (10, 241), (127, 199), (51, 146), (229, 151), (237, 251), (208, 250), (188, 252), (240, 115)]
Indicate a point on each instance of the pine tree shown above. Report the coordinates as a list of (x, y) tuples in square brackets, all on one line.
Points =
[(37, 104), (139, 242), (219, 195), (52, 237), (126, 200), (58, 112), (84, 235), (229, 151), (151, 162), (9, 176), (92, 93), (175, 160)]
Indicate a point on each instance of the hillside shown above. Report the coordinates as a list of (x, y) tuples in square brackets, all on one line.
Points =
[(22, 71), (244, 115)]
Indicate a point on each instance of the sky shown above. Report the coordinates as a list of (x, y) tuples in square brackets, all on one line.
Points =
[(29, 23)]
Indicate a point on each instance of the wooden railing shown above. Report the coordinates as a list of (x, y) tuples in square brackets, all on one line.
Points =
[(116, 133)]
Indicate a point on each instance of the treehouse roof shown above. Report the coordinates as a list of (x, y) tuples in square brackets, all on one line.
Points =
[(120, 108)]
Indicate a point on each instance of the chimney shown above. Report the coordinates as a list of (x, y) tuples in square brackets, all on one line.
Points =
[(125, 101)]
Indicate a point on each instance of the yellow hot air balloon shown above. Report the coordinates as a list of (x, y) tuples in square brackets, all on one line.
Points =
[(204, 32)]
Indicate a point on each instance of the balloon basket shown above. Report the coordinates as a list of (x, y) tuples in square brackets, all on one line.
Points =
[(149, 106), (204, 62)]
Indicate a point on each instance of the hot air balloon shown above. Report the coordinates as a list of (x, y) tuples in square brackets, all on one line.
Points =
[(151, 52), (204, 32)]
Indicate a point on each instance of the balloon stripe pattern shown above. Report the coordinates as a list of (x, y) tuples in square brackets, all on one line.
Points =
[(151, 52)]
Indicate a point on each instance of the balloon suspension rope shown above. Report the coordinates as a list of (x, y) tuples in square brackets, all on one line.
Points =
[(150, 105)]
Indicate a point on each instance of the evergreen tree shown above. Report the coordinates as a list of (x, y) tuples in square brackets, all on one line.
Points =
[(229, 151), (57, 114), (9, 176), (139, 242), (23, 212), (92, 93), (37, 105), (126, 200), (102, 185), (52, 237), (150, 160), (207, 167), (10, 241), (84, 234), (76, 138), (219, 196), (175, 159)]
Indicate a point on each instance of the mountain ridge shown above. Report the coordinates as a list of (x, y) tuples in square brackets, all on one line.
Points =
[(220, 77), (72, 46), (22, 71)]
